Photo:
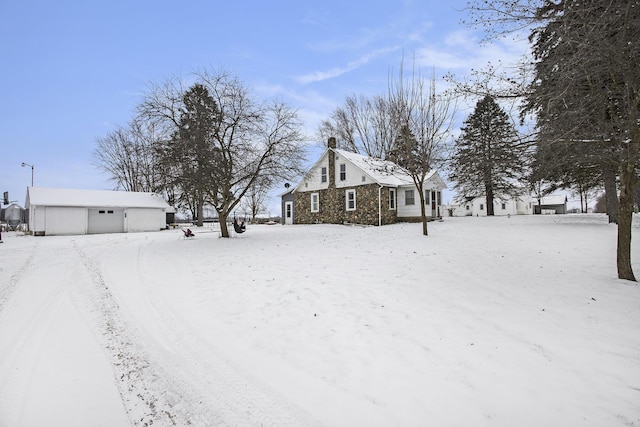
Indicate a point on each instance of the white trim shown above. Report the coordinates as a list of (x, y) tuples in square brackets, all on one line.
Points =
[(317, 202), (288, 212), (342, 166), (346, 200)]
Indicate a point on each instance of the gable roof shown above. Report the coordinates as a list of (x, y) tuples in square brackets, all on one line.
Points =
[(383, 172), (553, 200), (41, 196)]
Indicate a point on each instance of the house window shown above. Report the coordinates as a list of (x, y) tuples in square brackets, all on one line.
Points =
[(315, 202), (468, 207), (351, 200), (504, 206), (343, 172), (323, 174), (427, 197), (481, 206), (409, 197), (392, 198), (364, 178)]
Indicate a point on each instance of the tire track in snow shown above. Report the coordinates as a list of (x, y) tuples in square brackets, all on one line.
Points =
[(7, 290), (32, 328), (150, 396), (219, 385)]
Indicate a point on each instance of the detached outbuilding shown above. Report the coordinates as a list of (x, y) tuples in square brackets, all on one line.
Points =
[(61, 211)]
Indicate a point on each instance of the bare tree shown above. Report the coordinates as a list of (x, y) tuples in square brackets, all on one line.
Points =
[(362, 125), (244, 141), (127, 155), (424, 119), (254, 198)]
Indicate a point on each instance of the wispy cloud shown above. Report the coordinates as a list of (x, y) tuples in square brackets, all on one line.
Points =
[(318, 76), (462, 51)]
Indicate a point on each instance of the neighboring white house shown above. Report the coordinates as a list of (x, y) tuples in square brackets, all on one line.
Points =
[(61, 211), (522, 205), (553, 204)]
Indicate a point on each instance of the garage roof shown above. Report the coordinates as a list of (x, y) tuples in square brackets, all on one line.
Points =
[(41, 196)]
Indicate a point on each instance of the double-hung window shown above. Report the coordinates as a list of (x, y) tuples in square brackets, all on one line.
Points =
[(350, 196), (315, 202), (323, 174), (392, 199), (343, 172), (409, 197)]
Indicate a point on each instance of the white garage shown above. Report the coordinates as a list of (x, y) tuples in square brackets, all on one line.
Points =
[(62, 211)]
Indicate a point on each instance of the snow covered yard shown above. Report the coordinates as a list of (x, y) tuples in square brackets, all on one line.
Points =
[(487, 321)]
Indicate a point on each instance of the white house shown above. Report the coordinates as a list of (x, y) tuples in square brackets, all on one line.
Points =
[(347, 187), (477, 206), (521, 205), (60, 211)]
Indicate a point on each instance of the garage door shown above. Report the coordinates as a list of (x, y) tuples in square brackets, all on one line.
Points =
[(106, 220), (64, 220)]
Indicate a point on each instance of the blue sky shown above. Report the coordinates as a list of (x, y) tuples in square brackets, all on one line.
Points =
[(74, 70)]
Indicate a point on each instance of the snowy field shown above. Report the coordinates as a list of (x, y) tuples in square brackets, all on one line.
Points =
[(500, 321)]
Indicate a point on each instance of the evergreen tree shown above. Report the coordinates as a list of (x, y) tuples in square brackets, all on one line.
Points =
[(486, 156), (190, 155), (223, 142), (586, 90)]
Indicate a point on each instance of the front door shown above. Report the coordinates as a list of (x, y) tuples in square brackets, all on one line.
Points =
[(288, 212)]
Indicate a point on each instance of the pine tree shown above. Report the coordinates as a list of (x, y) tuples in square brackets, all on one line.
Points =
[(586, 89), (486, 156)]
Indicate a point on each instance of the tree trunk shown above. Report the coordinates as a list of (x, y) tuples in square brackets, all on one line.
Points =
[(200, 222), (489, 190), (586, 201), (224, 230), (610, 192), (423, 211), (628, 182)]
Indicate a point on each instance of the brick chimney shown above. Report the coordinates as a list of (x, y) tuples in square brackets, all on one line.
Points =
[(331, 144)]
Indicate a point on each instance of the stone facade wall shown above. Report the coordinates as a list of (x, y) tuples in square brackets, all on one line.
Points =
[(332, 202), (332, 207)]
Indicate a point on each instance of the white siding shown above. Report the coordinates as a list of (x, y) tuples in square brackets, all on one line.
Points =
[(354, 174), (68, 211), (105, 220), (414, 210), (65, 221), (144, 219), (405, 210), (519, 206), (36, 219), (312, 181)]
